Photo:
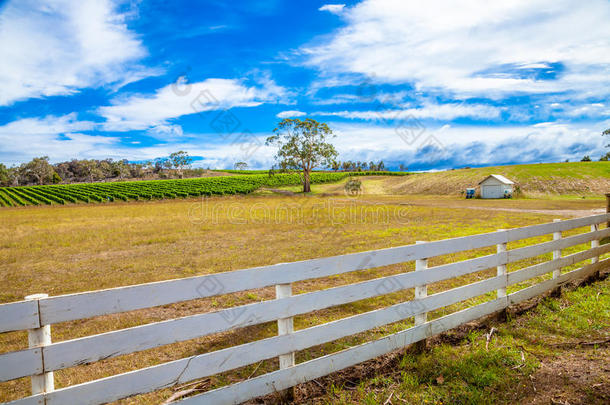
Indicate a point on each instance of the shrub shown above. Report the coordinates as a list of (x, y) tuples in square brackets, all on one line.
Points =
[(353, 187)]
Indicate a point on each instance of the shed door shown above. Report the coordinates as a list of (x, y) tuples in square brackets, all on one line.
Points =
[(493, 191)]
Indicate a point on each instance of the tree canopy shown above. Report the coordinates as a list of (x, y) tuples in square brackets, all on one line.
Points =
[(240, 166), (302, 145), (40, 169), (180, 160)]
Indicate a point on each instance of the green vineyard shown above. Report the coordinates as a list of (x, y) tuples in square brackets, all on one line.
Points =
[(158, 189)]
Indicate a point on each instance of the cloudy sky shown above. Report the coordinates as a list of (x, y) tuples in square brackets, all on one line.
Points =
[(433, 85)]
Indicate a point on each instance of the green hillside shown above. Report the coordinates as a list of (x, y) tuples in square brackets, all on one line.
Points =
[(581, 178)]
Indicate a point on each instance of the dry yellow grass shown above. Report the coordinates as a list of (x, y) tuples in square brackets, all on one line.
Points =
[(60, 250)]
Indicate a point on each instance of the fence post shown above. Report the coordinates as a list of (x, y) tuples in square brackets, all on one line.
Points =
[(595, 244), (40, 337), (285, 326), (421, 292), (556, 256), (502, 271), (608, 208)]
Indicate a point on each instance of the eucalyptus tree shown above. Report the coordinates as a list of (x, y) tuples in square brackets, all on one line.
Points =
[(303, 145)]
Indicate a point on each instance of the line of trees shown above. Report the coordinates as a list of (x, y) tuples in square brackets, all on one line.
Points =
[(350, 166), (40, 171)]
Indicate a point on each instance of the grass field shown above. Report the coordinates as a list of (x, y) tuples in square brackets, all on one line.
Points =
[(64, 249)]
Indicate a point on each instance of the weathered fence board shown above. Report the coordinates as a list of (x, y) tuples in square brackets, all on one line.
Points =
[(20, 364), (535, 290), (515, 255), (546, 267), (19, 316), (33, 400)]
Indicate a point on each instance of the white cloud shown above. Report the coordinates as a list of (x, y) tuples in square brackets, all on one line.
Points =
[(290, 114), (434, 111), (181, 98), (469, 145), (589, 110), (57, 47), (60, 139), (333, 8), (166, 132), (472, 47), (56, 137), (48, 124)]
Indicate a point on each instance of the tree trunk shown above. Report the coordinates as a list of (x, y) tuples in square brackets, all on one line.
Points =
[(306, 182)]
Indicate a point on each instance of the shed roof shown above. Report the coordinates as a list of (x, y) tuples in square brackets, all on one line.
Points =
[(498, 177)]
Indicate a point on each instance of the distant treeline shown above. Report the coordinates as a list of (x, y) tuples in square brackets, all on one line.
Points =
[(39, 171), (357, 166)]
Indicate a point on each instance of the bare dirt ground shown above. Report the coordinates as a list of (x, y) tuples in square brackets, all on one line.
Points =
[(581, 376)]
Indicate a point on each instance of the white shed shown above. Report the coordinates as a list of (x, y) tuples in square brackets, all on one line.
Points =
[(496, 186)]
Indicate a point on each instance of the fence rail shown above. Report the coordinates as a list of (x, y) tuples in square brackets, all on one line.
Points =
[(43, 357)]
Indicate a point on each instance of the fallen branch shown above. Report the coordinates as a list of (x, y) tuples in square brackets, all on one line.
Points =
[(489, 335), (533, 386), (389, 400), (198, 382), (179, 394), (255, 370)]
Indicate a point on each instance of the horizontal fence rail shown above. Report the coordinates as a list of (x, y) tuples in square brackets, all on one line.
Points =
[(43, 357)]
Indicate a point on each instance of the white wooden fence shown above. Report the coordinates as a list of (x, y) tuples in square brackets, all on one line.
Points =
[(37, 313)]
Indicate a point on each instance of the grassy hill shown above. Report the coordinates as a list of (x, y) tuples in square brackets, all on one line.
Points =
[(576, 178)]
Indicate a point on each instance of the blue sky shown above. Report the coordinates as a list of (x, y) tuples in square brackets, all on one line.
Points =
[(435, 85)]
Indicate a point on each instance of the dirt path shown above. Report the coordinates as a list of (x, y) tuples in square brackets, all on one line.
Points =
[(450, 204), (278, 191), (561, 213)]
